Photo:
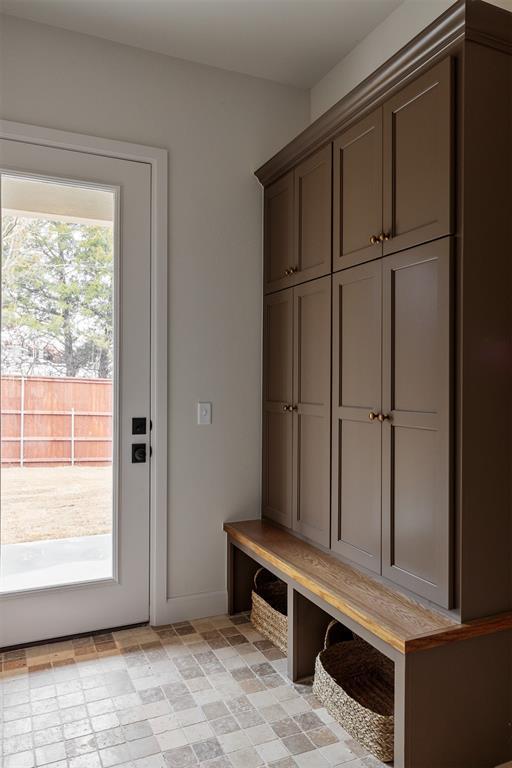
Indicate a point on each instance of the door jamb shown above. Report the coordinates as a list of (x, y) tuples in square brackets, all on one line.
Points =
[(157, 159)]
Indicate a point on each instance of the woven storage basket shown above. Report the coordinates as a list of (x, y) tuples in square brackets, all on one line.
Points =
[(355, 683), (269, 608)]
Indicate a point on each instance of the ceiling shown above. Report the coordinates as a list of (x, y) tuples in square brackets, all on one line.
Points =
[(290, 41)]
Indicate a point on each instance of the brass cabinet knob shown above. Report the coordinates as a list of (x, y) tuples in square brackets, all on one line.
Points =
[(293, 270), (293, 407), (372, 416), (374, 240), (383, 417), (286, 408), (287, 272), (384, 236)]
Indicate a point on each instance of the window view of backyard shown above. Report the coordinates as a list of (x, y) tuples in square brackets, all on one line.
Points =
[(56, 383)]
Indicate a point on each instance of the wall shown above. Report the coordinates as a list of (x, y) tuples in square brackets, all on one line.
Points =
[(218, 127), (407, 21)]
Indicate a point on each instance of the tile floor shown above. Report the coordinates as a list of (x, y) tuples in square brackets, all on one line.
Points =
[(210, 693)]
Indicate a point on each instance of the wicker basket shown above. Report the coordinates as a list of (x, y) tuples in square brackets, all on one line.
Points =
[(355, 683), (269, 608)]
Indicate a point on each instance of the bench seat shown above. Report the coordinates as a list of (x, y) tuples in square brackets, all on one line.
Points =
[(394, 618)]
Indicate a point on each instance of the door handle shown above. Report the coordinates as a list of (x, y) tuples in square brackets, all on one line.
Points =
[(139, 451)]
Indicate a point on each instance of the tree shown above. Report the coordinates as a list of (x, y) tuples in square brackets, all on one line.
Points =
[(56, 297)]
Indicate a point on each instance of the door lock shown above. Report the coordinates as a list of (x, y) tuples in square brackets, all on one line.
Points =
[(139, 425), (138, 453)]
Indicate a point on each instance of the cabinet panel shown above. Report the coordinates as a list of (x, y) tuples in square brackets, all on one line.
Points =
[(356, 441), (357, 192), (278, 233), (416, 445), (277, 466), (277, 392), (417, 142), (312, 392), (313, 185)]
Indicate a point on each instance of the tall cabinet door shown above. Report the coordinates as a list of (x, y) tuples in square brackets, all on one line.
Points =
[(277, 404), (418, 160), (356, 430), (416, 431), (357, 193), (313, 184), (278, 235), (311, 415)]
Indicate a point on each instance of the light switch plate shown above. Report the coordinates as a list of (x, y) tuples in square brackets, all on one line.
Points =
[(204, 413)]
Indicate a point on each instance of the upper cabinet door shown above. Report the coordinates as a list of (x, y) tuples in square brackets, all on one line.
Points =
[(311, 415), (313, 185), (277, 407), (357, 193), (418, 137), (416, 395), (279, 258), (356, 401)]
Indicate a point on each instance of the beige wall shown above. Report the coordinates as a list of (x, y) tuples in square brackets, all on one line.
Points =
[(218, 127), (408, 20)]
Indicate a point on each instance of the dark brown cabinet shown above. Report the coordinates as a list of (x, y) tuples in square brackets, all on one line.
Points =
[(391, 418), (311, 414), (421, 340), (296, 410), (417, 178), (313, 186), (357, 193), (416, 403), (297, 239), (416, 164), (356, 402), (279, 234), (277, 396), (392, 185)]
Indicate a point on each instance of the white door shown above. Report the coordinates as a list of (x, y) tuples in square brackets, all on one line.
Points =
[(75, 400)]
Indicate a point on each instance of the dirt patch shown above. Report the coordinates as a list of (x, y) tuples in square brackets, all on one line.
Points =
[(39, 503)]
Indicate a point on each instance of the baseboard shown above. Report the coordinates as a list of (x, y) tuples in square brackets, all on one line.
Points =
[(190, 607)]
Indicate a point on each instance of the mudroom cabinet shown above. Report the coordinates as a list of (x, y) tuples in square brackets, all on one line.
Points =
[(397, 195), (387, 439), (297, 227), (392, 186), (391, 468), (296, 411)]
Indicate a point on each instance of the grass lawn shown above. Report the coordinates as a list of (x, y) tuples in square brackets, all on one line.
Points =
[(40, 503)]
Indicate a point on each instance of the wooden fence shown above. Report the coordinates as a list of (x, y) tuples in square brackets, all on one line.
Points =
[(55, 421)]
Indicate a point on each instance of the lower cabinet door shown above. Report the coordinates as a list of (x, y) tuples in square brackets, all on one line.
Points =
[(311, 409), (416, 394), (277, 407), (356, 401)]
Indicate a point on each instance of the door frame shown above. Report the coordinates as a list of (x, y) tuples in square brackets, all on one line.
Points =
[(157, 159)]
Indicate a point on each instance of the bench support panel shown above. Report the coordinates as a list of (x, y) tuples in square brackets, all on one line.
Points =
[(307, 624), (241, 570), (453, 705)]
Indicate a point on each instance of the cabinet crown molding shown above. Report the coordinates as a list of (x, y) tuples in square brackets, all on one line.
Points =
[(473, 20)]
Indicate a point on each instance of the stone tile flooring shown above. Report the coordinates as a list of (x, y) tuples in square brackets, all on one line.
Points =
[(210, 693)]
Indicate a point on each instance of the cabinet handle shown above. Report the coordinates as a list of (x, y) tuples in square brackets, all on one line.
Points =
[(293, 270), (287, 408), (374, 240), (384, 236), (287, 272), (293, 407), (384, 417), (372, 416)]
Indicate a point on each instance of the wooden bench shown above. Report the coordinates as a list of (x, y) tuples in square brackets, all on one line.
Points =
[(444, 670)]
